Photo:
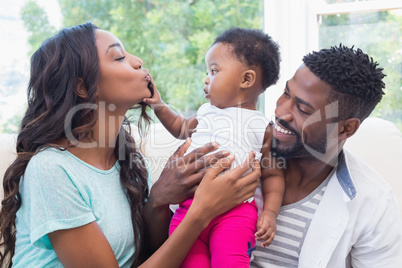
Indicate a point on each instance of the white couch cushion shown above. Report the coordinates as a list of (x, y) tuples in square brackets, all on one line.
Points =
[(378, 142)]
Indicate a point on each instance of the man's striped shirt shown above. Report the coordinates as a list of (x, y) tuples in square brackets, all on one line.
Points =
[(292, 223)]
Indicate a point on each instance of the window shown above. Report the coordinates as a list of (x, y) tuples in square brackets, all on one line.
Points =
[(307, 25)]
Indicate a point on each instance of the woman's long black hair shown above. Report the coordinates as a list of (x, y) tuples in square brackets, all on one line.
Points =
[(57, 68)]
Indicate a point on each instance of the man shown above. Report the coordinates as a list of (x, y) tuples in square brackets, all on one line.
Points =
[(336, 211)]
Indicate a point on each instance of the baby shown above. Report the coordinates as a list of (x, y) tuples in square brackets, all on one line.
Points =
[(241, 64)]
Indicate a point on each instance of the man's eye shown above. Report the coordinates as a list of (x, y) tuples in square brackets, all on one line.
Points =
[(301, 110)]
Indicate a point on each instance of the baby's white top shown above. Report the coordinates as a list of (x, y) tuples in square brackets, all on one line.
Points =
[(237, 130)]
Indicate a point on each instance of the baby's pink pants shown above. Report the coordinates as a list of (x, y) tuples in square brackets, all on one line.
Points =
[(224, 243)]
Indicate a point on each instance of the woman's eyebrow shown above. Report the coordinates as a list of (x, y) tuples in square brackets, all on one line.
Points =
[(111, 46)]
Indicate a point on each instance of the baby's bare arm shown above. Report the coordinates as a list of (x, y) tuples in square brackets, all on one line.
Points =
[(273, 187), (179, 126), (272, 176)]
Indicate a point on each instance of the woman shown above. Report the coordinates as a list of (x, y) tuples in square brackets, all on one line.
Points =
[(77, 194)]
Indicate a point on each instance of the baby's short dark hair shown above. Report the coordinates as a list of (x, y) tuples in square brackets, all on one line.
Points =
[(254, 48)]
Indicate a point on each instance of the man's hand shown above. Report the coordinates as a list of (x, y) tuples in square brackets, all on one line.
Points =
[(181, 175)]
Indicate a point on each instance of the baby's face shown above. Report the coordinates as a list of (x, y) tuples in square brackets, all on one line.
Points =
[(224, 76)]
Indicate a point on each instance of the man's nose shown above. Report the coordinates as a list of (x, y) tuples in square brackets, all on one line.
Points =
[(284, 109)]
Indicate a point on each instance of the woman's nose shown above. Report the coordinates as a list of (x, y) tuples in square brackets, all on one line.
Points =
[(206, 80), (137, 63)]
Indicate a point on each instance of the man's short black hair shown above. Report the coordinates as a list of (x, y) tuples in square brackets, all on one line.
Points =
[(254, 48), (355, 79)]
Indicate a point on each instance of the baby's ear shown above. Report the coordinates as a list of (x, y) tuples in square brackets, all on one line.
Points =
[(81, 90), (248, 79)]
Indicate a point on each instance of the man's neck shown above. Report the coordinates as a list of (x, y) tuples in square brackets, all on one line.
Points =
[(302, 176)]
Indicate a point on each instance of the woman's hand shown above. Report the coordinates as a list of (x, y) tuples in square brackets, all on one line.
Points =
[(155, 102), (218, 193), (181, 175), (178, 181)]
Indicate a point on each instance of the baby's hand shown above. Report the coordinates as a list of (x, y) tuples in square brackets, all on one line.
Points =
[(266, 228), (155, 102)]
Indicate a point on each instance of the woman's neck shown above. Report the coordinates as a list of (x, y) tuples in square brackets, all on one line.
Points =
[(98, 150)]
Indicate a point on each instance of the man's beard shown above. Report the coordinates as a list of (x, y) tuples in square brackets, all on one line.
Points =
[(299, 148)]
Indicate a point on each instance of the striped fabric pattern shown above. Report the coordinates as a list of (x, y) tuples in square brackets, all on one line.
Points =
[(292, 223)]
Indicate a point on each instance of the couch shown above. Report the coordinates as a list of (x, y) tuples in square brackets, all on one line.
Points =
[(378, 142)]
